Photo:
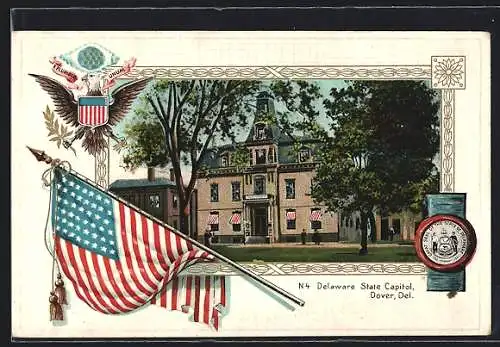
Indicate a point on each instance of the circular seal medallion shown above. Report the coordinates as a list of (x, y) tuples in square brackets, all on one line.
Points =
[(445, 242)]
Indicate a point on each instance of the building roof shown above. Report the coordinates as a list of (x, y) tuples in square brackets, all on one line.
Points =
[(273, 134), (141, 183)]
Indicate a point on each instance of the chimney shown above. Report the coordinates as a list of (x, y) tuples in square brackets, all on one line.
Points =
[(151, 174), (172, 175)]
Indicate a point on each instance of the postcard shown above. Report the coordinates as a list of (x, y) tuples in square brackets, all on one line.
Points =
[(238, 184)]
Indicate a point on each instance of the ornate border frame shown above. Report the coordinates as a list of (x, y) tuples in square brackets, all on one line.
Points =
[(446, 73)]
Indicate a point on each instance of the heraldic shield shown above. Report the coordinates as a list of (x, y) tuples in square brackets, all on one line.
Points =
[(93, 110)]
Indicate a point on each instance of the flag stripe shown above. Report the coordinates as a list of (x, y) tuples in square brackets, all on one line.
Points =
[(206, 306), (82, 284), (104, 287), (118, 259), (197, 299), (134, 226), (150, 261), (173, 246), (157, 235), (66, 269), (174, 292), (126, 283), (170, 254), (117, 290), (92, 285), (179, 246), (223, 291), (128, 256)]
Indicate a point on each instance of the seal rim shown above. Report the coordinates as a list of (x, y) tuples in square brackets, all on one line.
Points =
[(471, 242)]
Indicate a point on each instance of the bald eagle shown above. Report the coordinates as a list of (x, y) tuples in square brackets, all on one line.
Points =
[(66, 106)]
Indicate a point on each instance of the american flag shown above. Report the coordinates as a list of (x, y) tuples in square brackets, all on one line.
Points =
[(92, 110), (118, 259)]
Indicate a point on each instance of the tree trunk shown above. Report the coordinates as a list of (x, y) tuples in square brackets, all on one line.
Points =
[(365, 217), (184, 219), (373, 226)]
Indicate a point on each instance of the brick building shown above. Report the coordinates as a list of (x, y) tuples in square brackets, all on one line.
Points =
[(269, 200), (156, 196)]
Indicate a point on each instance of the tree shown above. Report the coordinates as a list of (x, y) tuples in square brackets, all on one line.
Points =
[(191, 115), (378, 153), (186, 118), (145, 144)]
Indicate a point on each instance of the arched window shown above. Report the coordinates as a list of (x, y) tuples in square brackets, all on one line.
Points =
[(224, 159), (260, 131), (304, 154), (270, 155), (260, 156)]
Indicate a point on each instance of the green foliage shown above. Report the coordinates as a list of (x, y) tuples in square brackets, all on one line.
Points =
[(240, 157), (145, 144), (386, 136)]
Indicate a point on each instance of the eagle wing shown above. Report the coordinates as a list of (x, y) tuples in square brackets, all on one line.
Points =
[(123, 97), (63, 98)]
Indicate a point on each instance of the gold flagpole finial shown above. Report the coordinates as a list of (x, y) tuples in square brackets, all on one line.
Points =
[(40, 155)]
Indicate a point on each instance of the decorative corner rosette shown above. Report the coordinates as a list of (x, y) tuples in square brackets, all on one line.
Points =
[(448, 72)]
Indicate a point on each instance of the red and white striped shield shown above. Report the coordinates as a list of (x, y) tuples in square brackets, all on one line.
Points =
[(93, 110)]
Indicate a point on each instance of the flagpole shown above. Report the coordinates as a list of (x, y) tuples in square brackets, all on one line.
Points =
[(42, 156)]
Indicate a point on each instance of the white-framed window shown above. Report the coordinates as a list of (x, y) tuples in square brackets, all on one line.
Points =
[(259, 185), (290, 188), (214, 192)]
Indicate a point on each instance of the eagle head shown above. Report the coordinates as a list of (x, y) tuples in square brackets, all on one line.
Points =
[(93, 83)]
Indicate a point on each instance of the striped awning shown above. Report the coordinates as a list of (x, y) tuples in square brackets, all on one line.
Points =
[(213, 219), (315, 215), (290, 215), (235, 218)]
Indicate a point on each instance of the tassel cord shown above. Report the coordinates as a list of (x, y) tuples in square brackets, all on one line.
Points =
[(47, 178)]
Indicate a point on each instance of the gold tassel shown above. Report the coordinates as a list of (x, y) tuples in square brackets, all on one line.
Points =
[(60, 291), (56, 312)]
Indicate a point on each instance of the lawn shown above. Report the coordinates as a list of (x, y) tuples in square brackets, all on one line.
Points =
[(311, 254)]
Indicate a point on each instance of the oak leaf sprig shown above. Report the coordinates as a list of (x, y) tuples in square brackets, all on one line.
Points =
[(59, 132)]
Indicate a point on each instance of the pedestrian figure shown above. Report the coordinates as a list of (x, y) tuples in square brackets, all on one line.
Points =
[(207, 236), (303, 236), (391, 233), (317, 237)]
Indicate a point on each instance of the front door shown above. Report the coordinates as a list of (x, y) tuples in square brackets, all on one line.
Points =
[(259, 221)]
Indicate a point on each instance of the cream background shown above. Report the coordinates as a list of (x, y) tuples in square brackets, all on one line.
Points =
[(251, 311)]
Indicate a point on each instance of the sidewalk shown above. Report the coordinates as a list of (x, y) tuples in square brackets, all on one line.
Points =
[(312, 245)]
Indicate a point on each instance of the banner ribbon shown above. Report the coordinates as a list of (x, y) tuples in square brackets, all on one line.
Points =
[(110, 78), (71, 77)]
